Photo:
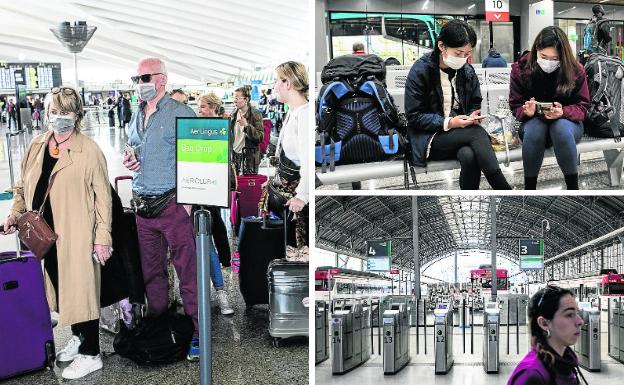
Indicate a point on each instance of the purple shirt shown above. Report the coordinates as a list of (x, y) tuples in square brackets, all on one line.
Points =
[(543, 89), (531, 370)]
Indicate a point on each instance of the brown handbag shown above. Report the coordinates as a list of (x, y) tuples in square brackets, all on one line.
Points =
[(35, 232)]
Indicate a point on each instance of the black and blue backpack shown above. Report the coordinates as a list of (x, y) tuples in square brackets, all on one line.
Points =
[(357, 121)]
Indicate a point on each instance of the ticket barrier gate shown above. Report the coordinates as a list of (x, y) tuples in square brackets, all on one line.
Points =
[(587, 346), (350, 329), (321, 324), (396, 338), (491, 337), (616, 328), (386, 302), (443, 331)]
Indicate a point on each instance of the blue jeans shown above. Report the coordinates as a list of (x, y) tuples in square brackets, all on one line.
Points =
[(562, 134), (215, 267)]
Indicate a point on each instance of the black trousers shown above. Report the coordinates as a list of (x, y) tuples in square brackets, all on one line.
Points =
[(471, 146), (88, 331)]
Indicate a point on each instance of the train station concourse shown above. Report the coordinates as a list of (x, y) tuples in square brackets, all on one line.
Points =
[(129, 105), (468, 289)]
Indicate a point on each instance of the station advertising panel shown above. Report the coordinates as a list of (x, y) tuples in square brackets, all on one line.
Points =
[(379, 255), (203, 161), (496, 10), (531, 253)]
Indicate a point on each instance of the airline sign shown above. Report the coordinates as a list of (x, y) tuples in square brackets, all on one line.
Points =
[(497, 10)]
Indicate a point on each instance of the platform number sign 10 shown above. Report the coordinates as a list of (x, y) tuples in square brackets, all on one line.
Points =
[(497, 10)]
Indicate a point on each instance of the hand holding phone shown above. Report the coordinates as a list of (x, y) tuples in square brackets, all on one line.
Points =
[(478, 117)]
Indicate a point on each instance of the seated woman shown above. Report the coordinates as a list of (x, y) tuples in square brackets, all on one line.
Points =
[(549, 74), (555, 326), (442, 102)]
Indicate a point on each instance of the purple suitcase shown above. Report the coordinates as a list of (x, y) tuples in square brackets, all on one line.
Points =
[(25, 325)]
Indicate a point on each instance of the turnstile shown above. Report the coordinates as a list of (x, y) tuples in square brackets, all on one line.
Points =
[(321, 331), (491, 333), (443, 343), (614, 327), (386, 302), (395, 338), (587, 345), (350, 329), (513, 308)]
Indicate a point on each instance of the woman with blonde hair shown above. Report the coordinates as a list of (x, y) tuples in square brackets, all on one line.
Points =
[(209, 105), (289, 187), (78, 208)]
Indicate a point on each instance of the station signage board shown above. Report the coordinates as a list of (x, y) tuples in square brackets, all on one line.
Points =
[(531, 253), (394, 271), (379, 255), (203, 161), (496, 10)]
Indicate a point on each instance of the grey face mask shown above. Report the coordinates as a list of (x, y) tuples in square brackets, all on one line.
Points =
[(146, 91), (61, 124)]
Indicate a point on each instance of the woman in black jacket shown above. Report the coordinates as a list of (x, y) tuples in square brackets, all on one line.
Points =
[(442, 104)]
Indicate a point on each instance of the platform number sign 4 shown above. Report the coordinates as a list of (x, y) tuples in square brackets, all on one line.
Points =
[(497, 10)]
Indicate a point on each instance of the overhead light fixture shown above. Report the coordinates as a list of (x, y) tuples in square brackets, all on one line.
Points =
[(471, 6), (603, 1), (566, 10), (425, 5)]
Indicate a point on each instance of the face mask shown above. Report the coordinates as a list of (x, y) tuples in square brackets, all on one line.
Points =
[(454, 62), (61, 124), (146, 91), (548, 66)]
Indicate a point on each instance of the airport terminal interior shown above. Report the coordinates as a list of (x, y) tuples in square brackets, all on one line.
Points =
[(434, 289), (206, 47), (406, 30)]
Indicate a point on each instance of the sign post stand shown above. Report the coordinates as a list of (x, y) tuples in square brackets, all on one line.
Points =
[(203, 178)]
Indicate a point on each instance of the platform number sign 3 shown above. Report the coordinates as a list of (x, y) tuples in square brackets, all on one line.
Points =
[(497, 10)]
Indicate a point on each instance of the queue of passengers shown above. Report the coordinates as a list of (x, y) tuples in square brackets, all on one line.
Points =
[(78, 208)]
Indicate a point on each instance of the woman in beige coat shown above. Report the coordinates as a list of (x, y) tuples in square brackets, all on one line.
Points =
[(79, 210)]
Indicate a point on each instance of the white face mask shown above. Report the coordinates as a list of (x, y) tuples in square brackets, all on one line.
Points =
[(61, 124), (454, 62), (146, 91), (548, 66)]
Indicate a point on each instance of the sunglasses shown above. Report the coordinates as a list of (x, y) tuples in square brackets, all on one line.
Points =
[(548, 289), (145, 78), (66, 90)]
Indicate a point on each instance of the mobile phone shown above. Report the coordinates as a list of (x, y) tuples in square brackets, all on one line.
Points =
[(128, 149), (542, 107), (478, 117)]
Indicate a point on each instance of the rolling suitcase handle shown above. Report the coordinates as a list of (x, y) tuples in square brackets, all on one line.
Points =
[(117, 179), (18, 247)]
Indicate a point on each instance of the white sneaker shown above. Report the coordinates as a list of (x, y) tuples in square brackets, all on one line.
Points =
[(70, 351), (82, 366), (223, 303)]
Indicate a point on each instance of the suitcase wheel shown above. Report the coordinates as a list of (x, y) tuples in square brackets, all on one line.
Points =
[(50, 355), (276, 342)]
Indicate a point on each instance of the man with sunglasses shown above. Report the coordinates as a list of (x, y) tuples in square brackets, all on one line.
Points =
[(151, 155)]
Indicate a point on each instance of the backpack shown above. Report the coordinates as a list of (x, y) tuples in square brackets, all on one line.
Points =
[(604, 78), (590, 36), (357, 120), (156, 340)]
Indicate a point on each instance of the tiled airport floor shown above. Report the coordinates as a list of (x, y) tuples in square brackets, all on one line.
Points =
[(467, 369), (242, 348), (593, 175)]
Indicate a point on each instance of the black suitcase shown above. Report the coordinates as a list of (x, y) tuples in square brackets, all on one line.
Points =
[(259, 243), (122, 276)]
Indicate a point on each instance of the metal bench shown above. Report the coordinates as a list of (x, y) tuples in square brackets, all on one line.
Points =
[(494, 84)]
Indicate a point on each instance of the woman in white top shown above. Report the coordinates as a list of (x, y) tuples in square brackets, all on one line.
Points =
[(290, 186)]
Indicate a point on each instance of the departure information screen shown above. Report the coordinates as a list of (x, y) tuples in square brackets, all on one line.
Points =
[(531, 252), (43, 76)]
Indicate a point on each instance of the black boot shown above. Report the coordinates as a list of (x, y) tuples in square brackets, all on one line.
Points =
[(571, 181), (530, 182), (497, 180)]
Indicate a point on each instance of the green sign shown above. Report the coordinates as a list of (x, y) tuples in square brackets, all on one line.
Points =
[(573, 37), (203, 161), (531, 253)]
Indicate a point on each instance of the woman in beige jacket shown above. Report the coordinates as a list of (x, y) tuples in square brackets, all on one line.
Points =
[(79, 210)]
